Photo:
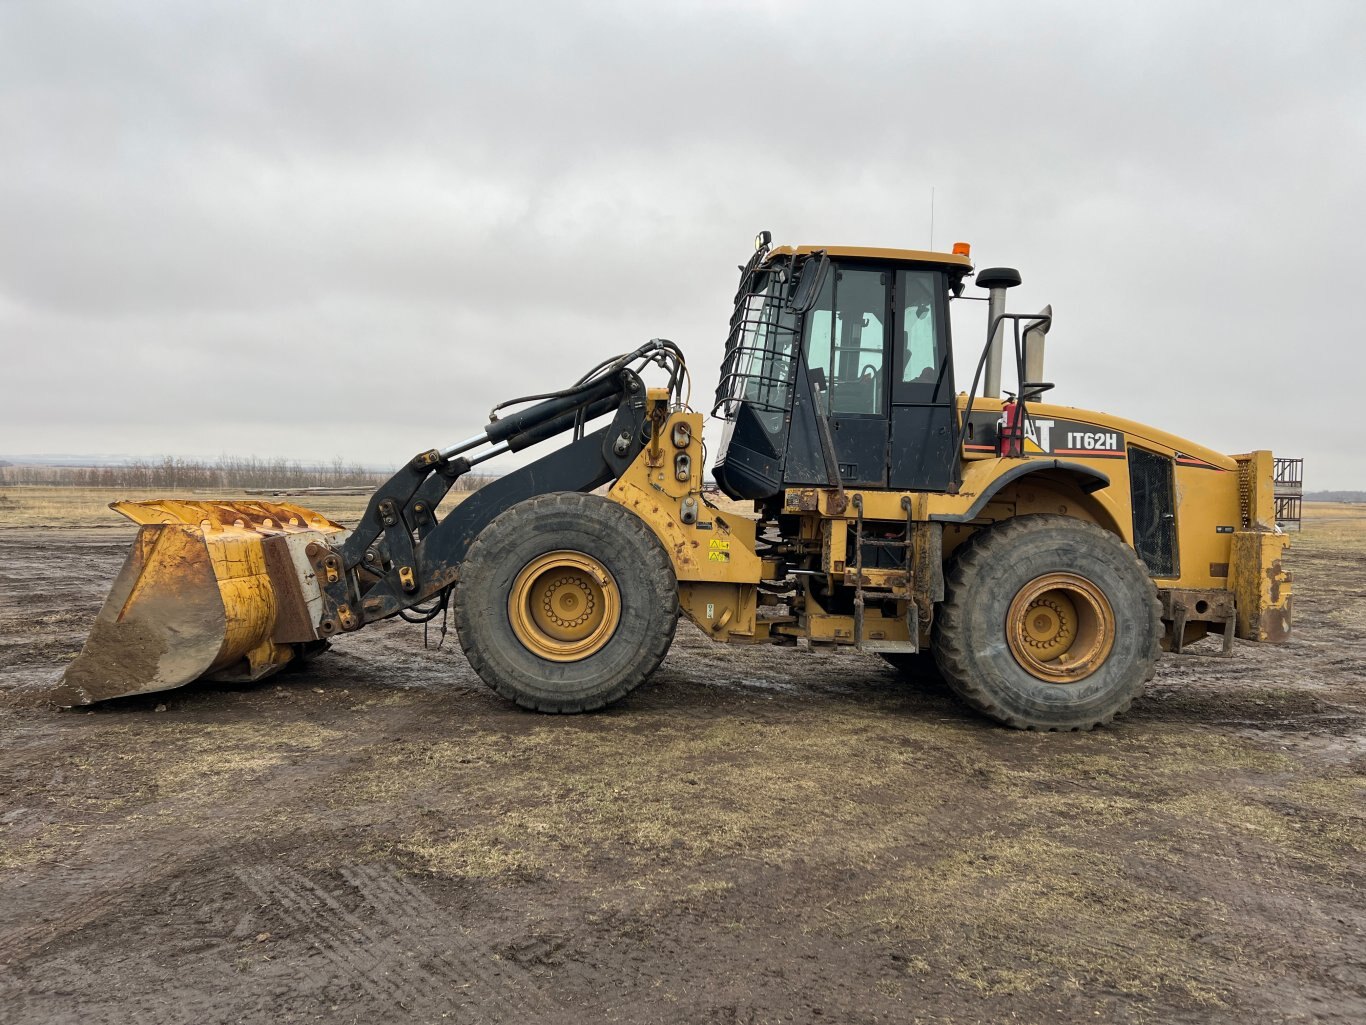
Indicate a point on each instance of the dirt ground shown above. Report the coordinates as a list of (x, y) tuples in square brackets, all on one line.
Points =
[(754, 836)]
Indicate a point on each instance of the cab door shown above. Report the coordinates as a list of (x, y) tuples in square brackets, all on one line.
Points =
[(846, 346), (923, 453)]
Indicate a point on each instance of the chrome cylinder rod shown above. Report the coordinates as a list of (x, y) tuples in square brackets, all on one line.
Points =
[(464, 446)]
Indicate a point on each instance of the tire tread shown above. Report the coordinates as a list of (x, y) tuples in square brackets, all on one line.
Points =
[(658, 572), (999, 542)]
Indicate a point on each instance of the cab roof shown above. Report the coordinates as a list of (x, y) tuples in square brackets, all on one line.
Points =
[(872, 253)]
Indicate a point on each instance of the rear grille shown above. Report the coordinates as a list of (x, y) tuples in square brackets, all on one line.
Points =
[(1245, 492), (1154, 504)]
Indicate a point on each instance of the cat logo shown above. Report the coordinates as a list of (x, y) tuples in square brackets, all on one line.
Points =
[(1037, 434)]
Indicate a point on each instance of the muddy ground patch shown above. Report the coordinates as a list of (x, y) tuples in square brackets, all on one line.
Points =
[(753, 836)]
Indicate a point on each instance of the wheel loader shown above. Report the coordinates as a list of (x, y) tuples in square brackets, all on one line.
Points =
[(1036, 556)]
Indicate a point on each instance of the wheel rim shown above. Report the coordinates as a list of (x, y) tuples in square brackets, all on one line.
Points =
[(564, 606), (1060, 628)]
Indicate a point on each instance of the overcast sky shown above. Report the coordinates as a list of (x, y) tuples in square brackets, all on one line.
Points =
[(347, 229)]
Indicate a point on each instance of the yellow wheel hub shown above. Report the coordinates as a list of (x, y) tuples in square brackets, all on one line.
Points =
[(564, 606), (1060, 627)]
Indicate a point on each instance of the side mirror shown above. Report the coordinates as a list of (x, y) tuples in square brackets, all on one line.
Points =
[(809, 281)]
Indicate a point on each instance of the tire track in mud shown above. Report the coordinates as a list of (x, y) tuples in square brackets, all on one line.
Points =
[(386, 944), (322, 925), (406, 952), (398, 900)]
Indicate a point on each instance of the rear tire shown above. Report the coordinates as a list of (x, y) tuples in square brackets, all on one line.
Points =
[(566, 603), (1049, 623)]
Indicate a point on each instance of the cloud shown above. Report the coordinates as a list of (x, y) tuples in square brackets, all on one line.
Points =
[(349, 229)]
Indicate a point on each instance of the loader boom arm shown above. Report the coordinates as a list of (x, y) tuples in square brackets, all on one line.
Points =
[(400, 557)]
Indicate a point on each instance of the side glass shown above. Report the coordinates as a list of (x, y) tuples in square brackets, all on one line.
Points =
[(820, 323), (921, 349), (846, 336)]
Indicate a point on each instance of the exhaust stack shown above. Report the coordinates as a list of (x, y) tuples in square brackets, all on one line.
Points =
[(1034, 335), (996, 280)]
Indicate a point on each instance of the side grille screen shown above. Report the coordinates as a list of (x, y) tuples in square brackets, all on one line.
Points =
[(1154, 502)]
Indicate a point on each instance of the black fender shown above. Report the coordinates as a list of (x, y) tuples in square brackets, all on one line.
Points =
[(1088, 478)]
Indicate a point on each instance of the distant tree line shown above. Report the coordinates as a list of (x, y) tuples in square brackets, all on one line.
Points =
[(225, 473), (1335, 496)]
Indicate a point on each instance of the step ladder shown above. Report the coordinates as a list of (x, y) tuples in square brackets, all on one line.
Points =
[(907, 551)]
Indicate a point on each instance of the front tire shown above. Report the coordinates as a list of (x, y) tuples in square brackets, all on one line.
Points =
[(1049, 623), (566, 602)]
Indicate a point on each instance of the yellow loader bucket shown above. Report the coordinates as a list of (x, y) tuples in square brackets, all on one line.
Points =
[(211, 589)]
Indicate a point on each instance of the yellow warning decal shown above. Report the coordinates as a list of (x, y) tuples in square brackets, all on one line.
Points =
[(718, 556), (717, 545)]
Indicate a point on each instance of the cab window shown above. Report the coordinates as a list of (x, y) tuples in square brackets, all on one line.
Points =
[(921, 349), (846, 337)]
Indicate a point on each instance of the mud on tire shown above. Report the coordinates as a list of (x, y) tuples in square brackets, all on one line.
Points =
[(562, 529), (1003, 565)]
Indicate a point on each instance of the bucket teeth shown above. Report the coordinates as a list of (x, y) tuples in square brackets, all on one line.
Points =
[(209, 589), (251, 515)]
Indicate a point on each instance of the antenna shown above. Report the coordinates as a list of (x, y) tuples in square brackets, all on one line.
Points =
[(931, 218)]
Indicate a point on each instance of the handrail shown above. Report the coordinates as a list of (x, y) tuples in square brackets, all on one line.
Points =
[(1021, 398)]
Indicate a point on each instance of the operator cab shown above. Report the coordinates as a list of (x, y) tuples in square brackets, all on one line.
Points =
[(839, 367)]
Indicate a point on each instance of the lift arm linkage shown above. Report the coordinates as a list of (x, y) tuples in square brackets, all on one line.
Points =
[(400, 555)]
